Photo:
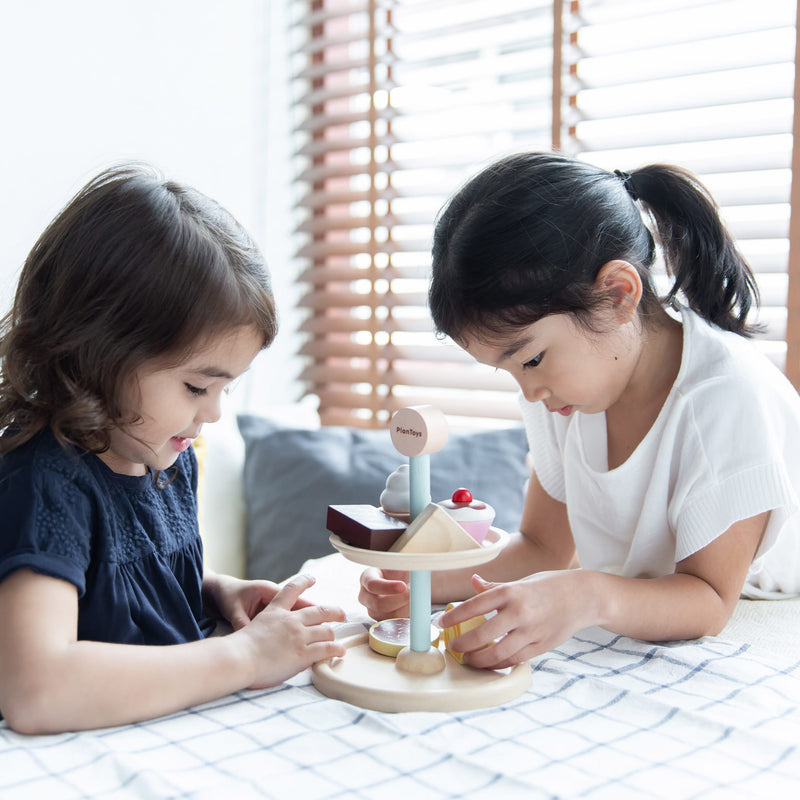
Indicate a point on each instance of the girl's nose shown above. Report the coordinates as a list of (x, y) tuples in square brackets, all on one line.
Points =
[(211, 410), (533, 394)]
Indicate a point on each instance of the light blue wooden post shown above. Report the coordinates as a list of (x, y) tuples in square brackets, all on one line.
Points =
[(419, 484)]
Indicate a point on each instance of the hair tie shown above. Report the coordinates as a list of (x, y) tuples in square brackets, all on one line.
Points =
[(627, 182)]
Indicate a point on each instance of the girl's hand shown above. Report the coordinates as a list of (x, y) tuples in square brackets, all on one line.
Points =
[(385, 593), (290, 635), (238, 601), (534, 615)]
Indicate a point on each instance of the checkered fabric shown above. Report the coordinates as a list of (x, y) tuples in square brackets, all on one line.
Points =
[(605, 717)]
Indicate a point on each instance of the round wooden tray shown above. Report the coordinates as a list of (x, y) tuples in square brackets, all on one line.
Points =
[(383, 559), (369, 680)]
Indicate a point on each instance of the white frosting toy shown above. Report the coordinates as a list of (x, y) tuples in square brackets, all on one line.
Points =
[(394, 498), (474, 516)]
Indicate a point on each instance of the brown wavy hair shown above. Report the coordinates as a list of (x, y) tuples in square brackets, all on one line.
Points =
[(134, 268)]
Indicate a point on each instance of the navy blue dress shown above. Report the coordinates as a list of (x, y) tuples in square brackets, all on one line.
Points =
[(132, 549)]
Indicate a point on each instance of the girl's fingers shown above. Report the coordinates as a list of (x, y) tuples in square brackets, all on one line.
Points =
[(317, 615), (386, 582), (321, 633), (484, 635), (480, 585), (289, 594), (369, 574), (389, 610), (394, 590), (475, 606), (383, 606), (322, 651), (381, 586), (498, 657), (384, 593), (238, 619)]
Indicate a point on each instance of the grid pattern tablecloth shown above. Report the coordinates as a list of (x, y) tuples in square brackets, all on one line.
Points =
[(605, 717)]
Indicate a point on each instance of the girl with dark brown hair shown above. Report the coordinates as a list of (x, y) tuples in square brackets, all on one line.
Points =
[(135, 309)]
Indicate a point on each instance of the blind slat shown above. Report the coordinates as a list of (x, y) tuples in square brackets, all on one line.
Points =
[(345, 348), (328, 323), (462, 404)]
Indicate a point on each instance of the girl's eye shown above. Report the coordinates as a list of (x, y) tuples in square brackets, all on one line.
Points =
[(196, 390), (534, 362), (232, 385)]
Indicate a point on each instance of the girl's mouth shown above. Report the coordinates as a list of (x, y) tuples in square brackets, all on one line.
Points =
[(565, 411), (180, 443)]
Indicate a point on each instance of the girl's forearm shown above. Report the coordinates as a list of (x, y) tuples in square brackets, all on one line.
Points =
[(521, 556), (672, 607), (51, 682), (92, 684)]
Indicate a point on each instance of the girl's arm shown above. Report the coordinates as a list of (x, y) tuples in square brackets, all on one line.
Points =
[(544, 542), (539, 613), (51, 682)]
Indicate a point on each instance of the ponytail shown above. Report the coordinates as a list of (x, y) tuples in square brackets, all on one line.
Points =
[(700, 254)]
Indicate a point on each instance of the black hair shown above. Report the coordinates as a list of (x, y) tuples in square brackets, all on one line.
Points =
[(527, 236), (134, 268)]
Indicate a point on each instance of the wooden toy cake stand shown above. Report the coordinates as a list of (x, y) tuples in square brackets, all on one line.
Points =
[(423, 677)]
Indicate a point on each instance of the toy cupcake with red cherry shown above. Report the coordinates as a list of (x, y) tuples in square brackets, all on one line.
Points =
[(474, 516)]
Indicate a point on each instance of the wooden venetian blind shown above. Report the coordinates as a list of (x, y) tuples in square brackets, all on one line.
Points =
[(707, 84), (397, 102)]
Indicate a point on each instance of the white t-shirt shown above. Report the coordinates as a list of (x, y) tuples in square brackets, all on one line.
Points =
[(725, 447)]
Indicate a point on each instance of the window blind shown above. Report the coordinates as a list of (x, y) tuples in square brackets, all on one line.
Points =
[(707, 85), (397, 102)]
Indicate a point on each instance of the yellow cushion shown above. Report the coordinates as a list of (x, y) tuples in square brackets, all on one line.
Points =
[(201, 451)]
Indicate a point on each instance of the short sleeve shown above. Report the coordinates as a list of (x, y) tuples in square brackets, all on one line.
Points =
[(726, 477), (46, 520), (545, 448)]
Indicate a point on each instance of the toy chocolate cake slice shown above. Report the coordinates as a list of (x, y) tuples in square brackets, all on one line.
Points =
[(364, 526)]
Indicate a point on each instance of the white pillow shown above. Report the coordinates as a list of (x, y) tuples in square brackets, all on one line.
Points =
[(221, 485)]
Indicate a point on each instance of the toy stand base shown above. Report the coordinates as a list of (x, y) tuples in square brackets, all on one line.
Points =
[(369, 680)]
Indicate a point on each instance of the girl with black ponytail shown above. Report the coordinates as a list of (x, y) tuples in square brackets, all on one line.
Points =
[(666, 448)]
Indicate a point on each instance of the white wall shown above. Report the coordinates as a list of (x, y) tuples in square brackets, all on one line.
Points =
[(195, 87)]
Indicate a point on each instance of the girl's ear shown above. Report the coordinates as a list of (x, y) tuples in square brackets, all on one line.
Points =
[(621, 282)]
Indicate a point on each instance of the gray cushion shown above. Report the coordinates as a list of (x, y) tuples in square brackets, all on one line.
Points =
[(291, 476)]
